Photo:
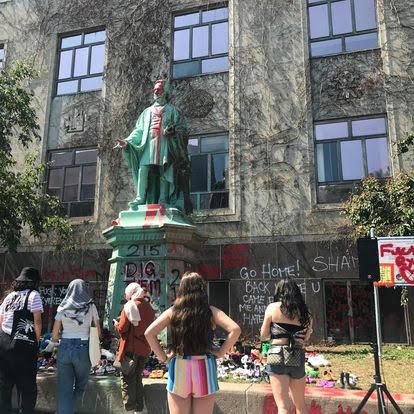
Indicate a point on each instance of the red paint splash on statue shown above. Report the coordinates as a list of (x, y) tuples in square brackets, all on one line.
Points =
[(158, 87), (153, 212)]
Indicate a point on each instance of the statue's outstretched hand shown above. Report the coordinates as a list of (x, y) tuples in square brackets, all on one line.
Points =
[(170, 130), (121, 144)]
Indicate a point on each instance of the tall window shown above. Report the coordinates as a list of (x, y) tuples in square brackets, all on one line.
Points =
[(209, 171), (72, 178), (346, 151), (81, 62), (201, 42), (337, 26), (1, 56)]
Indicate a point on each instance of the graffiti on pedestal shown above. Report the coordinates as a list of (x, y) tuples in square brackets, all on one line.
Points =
[(173, 283), (148, 274)]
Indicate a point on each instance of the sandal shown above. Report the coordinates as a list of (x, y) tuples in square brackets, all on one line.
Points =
[(328, 375)]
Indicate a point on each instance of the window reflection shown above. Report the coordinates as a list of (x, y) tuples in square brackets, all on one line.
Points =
[(335, 26), (361, 42), (72, 178), (341, 17), (81, 56), (200, 43), (351, 159), (377, 157), (318, 21), (1, 56), (209, 171), (347, 151), (365, 14), (327, 47)]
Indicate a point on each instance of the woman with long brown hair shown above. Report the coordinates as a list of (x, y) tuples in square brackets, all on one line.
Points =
[(288, 322), (192, 370)]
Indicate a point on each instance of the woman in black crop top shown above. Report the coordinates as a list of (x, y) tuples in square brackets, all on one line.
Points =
[(192, 371), (288, 325)]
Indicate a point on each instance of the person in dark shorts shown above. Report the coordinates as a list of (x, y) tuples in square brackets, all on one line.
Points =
[(288, 323)]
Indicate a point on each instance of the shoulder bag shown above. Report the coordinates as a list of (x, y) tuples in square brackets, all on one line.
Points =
[(283, 355), (94, 345), (23, 335)]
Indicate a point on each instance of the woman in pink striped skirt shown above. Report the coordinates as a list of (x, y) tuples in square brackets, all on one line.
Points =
[(192, 383)]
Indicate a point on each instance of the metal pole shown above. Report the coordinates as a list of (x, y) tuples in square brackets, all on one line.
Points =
[(377, 319), (377, 309)]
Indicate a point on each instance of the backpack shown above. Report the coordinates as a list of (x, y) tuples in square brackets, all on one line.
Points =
[(23, 335)]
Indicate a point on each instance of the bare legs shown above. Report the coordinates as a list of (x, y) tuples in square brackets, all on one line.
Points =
[(179, 405), (281, 385), (280, 389), (204, 405), (297, 392)]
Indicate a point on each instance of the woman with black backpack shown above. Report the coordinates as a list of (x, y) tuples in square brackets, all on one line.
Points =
[(20, 328)]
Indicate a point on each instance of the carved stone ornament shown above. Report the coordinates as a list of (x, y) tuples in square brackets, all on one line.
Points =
[(197, 103), (74, 120), (345, 84)]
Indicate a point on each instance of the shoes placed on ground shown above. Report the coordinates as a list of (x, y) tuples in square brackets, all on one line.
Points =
[(347, 380), (325, 384), (157, 373), (310, 380), (318, 361), (312, 372), (328, 375)]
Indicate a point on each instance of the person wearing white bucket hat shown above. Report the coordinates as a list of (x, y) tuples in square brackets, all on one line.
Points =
[(137, 314)]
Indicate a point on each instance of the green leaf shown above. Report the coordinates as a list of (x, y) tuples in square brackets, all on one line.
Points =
[(22, 200)]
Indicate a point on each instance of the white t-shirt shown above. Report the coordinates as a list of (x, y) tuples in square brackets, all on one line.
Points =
[(71, 328), (15, 301)]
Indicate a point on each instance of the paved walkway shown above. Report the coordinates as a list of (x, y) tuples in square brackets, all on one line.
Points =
[(103, 396)]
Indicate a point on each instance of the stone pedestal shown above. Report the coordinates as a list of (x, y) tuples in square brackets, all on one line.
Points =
[(153, 246)]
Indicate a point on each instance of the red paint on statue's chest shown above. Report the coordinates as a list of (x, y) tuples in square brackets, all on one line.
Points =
[(156, 123)]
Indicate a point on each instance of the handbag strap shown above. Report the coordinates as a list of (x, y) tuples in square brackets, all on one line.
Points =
[(26, 302)]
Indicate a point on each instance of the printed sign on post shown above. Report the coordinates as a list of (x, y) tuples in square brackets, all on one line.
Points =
[(396, 259)]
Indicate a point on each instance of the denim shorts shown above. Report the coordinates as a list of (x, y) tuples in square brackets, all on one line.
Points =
[(292, 372)]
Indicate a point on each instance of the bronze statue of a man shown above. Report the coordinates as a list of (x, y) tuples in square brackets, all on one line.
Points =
[(156, 153)]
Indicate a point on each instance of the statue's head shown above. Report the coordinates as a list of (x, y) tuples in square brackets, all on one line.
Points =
[(161, 90)]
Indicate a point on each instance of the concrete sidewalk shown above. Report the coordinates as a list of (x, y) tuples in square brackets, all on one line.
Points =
[(103, 396)]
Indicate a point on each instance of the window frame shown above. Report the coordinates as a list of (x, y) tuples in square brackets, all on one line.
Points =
[(68, 204), (82, 45), (190, 27), (341, 36), (349, 138), (197, 194)]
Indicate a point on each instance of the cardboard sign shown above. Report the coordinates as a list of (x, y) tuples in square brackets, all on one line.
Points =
[(396, 259)]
